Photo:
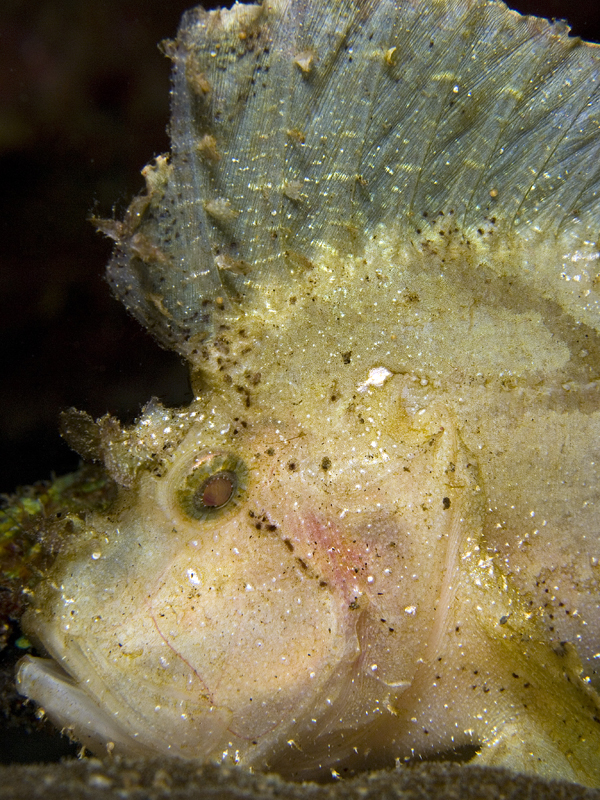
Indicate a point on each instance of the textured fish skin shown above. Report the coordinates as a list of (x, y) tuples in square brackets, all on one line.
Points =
[(375, 241)]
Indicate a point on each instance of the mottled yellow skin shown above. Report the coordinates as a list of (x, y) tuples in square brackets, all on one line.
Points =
[(408, 414), (378, 581)]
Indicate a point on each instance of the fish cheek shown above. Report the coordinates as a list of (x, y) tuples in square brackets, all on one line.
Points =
[(261, 636)]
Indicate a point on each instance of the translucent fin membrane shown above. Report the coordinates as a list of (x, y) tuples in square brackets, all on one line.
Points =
[(299, 128)]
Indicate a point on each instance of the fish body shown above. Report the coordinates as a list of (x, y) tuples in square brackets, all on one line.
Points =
[(373, 536)]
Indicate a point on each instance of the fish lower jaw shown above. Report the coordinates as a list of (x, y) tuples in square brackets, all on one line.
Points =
[(72, 709)]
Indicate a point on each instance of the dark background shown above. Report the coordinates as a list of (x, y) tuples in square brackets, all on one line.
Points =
[(83, 107)]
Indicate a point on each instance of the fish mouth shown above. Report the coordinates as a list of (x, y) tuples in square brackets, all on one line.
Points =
[(71, 709), (110, 727)]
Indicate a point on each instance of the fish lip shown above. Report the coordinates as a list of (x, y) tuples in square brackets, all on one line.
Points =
[(62, 698), (87, 719)]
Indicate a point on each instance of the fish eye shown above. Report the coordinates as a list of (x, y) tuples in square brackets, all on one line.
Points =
[(215, 483), (216, 491)]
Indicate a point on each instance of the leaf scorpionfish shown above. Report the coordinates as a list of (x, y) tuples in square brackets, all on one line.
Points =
[(374, 535)]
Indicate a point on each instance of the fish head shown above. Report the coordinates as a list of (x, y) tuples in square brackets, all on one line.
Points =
[(262, 579)]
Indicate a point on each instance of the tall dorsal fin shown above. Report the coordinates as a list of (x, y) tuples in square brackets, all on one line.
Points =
[(300, 127)]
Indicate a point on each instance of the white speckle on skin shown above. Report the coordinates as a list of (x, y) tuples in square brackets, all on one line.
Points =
[(193, 577), (376, 378)]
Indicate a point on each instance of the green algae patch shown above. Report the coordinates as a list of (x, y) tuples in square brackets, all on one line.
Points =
[(35, 522)]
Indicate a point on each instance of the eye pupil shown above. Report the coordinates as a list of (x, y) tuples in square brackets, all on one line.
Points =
[(214, 486), (216, 491)]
